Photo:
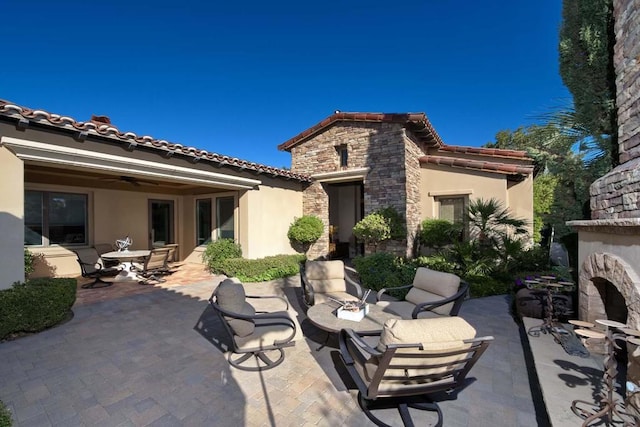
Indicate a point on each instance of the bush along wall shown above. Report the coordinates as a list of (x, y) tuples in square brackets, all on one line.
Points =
[(35, 305), (263, 269)]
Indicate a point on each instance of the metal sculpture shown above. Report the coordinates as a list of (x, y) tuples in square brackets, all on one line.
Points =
[(123, 244)]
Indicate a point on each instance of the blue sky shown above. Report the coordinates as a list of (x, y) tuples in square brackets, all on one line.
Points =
[(239, 78)]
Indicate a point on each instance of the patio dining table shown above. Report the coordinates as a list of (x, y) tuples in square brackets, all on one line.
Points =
[(126, 258)]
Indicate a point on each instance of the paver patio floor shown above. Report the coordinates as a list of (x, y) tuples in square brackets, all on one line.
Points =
[(156, 358)]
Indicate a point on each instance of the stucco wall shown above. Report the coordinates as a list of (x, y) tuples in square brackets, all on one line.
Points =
[(11, 219), (520, 200), (441, 182), (265, 216)]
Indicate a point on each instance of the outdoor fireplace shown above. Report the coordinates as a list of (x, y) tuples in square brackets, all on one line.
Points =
[(609, 243)]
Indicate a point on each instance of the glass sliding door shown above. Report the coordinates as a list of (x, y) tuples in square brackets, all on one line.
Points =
[(160, 223), (203, 221), (225, 224)]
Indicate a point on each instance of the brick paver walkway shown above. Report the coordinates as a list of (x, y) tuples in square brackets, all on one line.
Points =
[(155, 357)]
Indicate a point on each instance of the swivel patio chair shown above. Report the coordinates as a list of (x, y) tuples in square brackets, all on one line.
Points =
[(254, 334), (432, 294), (325, 280), (93, 267), (153, 267), (413, 360)]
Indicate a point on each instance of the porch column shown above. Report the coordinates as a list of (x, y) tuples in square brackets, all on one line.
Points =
[(11, 218)]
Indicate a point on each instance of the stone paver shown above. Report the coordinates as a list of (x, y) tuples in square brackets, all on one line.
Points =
[(157, 358)]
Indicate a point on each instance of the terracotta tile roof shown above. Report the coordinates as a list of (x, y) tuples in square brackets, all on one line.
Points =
[(486, 166), (101, 126), (417, 123), (492, 152)]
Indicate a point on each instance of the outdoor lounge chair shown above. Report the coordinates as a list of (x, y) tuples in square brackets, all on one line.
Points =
[(153, 267), (412, 360), (254, 334), (92, 267), (103, 248), (432, 294), (322, 280)]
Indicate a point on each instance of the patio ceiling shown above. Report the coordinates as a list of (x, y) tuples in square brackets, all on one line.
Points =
[(58, 160)]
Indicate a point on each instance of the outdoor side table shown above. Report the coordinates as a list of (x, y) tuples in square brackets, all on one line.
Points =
[(324, 317)]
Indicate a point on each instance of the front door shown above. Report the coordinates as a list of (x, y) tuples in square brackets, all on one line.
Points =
[(160, 223)]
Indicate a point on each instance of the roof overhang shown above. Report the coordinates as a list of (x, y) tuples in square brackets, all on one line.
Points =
[(59, 156), (347, 175)]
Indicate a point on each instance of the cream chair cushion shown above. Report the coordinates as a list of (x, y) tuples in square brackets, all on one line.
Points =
[(430, 285), (326, 276)]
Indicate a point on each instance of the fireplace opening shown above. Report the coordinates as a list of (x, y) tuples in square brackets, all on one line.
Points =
[(613, 301)]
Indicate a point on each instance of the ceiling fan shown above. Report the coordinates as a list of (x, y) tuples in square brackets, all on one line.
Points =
[(130, 180)]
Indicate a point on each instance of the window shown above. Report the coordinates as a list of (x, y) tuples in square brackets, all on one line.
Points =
[(343, 155), (452, 209), (203, 221), (225, 207), (55, 218)]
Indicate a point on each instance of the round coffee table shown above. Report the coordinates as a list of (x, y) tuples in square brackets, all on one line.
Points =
[(324, 317)]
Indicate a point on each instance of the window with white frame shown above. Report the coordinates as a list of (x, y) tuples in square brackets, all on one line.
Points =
[(55, 218)]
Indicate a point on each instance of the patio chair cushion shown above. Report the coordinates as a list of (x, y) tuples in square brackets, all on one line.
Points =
[(265, 334), (430, 285), (404, 309), (433, 334), (325, 276), (321, 298), (231, 297), (436, 336)]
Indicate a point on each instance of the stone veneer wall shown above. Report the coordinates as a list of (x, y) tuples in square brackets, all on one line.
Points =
[(382, 147), (617, 194)]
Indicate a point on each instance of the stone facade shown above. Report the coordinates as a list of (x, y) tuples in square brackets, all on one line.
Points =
[(393, 177), (616, 195), (608, 244)]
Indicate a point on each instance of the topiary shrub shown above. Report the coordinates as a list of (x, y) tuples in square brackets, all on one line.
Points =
[(263, 269), (5, 416), (35, 305), (372, 229), (305, 230), (219, 250)]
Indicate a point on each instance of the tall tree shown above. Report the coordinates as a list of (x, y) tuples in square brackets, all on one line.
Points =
[(586, 46)]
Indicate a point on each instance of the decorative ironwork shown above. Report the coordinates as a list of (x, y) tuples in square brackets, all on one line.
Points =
[(609, 409), (551, 286)]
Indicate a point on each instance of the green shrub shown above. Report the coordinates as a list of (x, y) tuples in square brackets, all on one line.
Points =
[(397, 223), (263, 269), (5, 416), (219, 250), (436, 262), (372, 229), (28, 262), (384, 270), (305, 230), (35, 305), (437, 233), (484, 286)]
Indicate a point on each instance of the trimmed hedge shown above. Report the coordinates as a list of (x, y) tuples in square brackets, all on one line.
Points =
[(5, 416), (263, 269), (35, 305)]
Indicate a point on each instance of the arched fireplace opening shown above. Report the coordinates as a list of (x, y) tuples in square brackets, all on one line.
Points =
[(613, 301)]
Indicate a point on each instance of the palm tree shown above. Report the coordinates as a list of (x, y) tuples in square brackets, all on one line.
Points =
[(490, 222)]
